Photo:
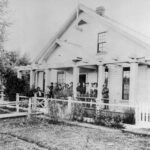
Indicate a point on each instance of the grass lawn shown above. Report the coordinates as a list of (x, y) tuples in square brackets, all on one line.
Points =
[(37, 134)]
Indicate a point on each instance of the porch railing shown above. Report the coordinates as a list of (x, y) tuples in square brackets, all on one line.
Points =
[(40, 104)]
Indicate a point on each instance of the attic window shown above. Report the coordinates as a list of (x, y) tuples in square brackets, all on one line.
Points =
[(81, 22), (101, 41)]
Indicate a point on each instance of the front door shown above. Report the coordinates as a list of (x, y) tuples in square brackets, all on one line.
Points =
[(82, 78)]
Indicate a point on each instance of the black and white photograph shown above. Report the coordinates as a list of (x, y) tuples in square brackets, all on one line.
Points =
[(74, 75)]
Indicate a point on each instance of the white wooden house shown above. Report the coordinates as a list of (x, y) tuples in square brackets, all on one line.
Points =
[(87, 44)]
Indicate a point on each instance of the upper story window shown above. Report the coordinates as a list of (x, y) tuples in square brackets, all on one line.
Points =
[(126, 83), (101, 41)]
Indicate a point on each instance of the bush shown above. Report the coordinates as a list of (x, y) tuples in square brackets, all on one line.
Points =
[(14, 85), (77, 112), (108, 120), (129, 116), (53, 111)]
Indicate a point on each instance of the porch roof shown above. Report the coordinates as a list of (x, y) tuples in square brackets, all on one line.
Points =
[(85, 64)]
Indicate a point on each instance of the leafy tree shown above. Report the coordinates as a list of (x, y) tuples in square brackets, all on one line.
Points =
[(10, 59), (13, 85)]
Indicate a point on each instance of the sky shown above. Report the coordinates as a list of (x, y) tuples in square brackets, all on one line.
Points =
[(34, 22)]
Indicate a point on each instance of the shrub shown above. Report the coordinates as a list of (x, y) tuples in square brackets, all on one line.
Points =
[(13, 84), (30, 92), (129, 116), (53, 111), (108, 120), (77, 112)]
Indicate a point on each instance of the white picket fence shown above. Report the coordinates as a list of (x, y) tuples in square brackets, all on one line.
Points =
[(143, 115)]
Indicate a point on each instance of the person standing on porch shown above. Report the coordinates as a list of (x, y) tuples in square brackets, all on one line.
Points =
[(39, 92), (87, 89), (83, 89), (51, 91), (105, 95), (92, 90), (78, 89)]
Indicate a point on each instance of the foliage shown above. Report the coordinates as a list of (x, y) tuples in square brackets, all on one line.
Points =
[(30, 92), (3, 21), (77, 112), (13, 84), (23, 60), (129, 117), (108, 120), (53, 111)]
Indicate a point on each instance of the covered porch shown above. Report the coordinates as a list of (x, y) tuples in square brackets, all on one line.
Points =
[(99, 73)]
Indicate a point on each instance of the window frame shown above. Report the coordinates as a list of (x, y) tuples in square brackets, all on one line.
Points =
[(59, 73), (125, 90), (101, 41)]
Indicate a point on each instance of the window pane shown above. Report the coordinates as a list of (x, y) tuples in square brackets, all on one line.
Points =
[(60, 77), (126, 83), (101, 41)]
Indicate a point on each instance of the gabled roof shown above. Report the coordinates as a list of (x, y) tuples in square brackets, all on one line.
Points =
[(127, 32)]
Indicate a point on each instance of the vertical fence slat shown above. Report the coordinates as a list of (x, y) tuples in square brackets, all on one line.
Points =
[(46, 105), (29, 108), (69, 104), (17, 102)]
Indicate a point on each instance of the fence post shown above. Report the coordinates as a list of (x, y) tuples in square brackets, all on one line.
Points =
[(34, 102), (46, 105), (2, 95), (29, 108), (98, 106), (137, 115), (69, 104), (17, 102)]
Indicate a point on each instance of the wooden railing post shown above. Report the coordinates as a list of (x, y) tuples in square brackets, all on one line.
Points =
[(69, 104), (137, 112), (46, 105), (17, 102), (34, 102), (2, 95), (29, 108)]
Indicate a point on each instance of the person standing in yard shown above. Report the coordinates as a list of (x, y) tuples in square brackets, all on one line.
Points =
[(105, 95)]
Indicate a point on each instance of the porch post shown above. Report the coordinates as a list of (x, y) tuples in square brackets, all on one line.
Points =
[(19, 74), (75, 80), (36, 79), (133, 83), (101, 78), (46, 78), (31, 78)]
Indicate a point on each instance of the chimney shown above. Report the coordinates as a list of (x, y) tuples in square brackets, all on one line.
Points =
[(100, 10)]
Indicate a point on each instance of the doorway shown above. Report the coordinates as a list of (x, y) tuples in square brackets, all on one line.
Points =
[(82, 78)]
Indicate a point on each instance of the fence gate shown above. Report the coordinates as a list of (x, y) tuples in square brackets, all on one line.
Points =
[(143, 115)]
